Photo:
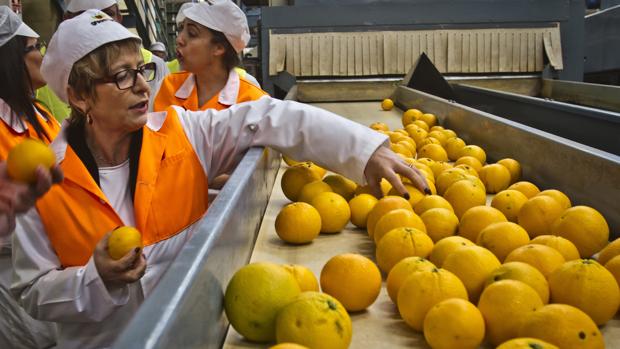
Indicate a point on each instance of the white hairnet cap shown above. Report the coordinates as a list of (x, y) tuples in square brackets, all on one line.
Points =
[(11, 25), (74, 39), (180, 16), (158, 46), (223, 16), (75, 6)]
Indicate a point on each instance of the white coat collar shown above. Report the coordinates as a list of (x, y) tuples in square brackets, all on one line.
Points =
[(15, 123), (228, 95)]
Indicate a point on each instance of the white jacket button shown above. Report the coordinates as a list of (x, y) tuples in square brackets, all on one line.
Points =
[(253, 127)]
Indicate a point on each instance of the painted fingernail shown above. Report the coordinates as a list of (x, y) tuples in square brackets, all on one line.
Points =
[(427, 191), (406, 196), (137, 250)]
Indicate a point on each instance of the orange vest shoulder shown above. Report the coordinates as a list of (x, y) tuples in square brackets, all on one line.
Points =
[(9, 138), (166, 95)]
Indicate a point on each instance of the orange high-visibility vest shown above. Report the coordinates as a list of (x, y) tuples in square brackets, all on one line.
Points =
[(171, 194), (166, 96), (10, 138)]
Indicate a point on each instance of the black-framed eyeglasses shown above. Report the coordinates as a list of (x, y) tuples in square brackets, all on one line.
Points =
[(127, 78), (39, 46)]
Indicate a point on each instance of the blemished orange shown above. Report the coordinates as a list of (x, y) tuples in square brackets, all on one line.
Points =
[(314, 319), (383, 206), (449, 177), (477, 218), (469, 161), (526, 343), (609, 251), (440, 223), (318, 170), (454, 323), (538, 214), (564, 246), (475, 151), (387, 104), (255, 295), (468, 169), (583, 226), (522, 272), (473, 265), (560, 197), (509, 202), (341, 185), (416, 133), (541, 257), (288, 346), (398, 218), (401, 243), (24, 158), (528, 189), (312, 189), (305, 277), (415, 195), (433, 151), (123, 240), (294, 179), (410, 115), (564, 326), (453, 147), (505, 305), (464, 195), (444, 247), (439, 166), (334, 211), (429, 119), (379, 126), (361, 206), (587, 285), (514, 167), (401, 271), (422, 290), (438, 135), (502, 238), (426, 141), (495, 178), (298, 223), (352, 279)]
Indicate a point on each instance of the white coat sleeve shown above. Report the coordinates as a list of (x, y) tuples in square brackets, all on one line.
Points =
[(51, 293), (298, 130)]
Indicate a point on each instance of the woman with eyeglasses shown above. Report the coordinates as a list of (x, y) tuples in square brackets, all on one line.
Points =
[(22, 118), (124, 166)]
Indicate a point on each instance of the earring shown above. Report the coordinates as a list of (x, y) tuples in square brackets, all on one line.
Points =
[(89, 118)]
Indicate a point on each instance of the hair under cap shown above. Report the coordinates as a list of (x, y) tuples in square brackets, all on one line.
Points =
[(75, 6), (74, 39), (223, 16), (11, 25)]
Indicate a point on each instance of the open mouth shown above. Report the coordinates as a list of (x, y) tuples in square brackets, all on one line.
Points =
[(142, 106), (179, 56)]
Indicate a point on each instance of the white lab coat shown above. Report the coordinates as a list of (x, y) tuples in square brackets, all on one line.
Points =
[(88, 314)]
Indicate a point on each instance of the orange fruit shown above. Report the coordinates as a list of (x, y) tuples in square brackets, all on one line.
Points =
[(468, 170), (123, 240), (288, 346), (610, 251), (583, 226), (334, 211), (415, 195), (447, 132), (383, 206), (314, 319), (318, 170), (587, 285), (409, 144), (560, 197), (453, 147), (401, 271), (469, 161), (387, 104), (352, 279), (537, 214), (365, 189), (422, 290), (312, 189), (255, 295), (429, 119), (341, 186), (440, 223), (514, 167), (294, 179), (298, 223), (397, 219), (473, 265), (509, 202), (444, 247), (464, 195), (439, 166), (290, 161), (410, 115), (613, 265), (502, 238), (528, 189), (477, 218), (495, 177), (361, 206), (305, 277), (24, 158), (564, 326), (438, 135), (434, 152), (454, 323), (437, 128), (522, 272), (526, 343), (449, 177), (401, 149), (421, 124), (401, 243), (379, 126), (541, 257), (416, 133), (474, 151), (505, 305), (566, 248)]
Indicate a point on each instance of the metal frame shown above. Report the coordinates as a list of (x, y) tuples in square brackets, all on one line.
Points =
[(593, 95), (426, 14), (602, 51), (186, 308)]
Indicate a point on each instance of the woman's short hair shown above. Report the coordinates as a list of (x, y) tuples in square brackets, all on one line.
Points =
[(230, 58)]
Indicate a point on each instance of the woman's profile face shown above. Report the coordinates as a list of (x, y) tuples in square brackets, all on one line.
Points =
[(195, 49), (33, 60)]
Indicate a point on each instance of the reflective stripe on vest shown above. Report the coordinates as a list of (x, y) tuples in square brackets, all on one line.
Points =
[(171, 194)]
